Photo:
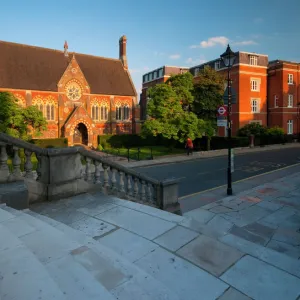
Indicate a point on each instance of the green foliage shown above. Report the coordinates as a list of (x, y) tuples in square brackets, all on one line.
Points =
[(100, 148), (17, 121), (275, 131), (252, 128), (50, 143), (208, 93), (183, 86), (169, 113)]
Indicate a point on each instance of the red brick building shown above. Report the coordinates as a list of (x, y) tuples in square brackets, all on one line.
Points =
[(284, 95), (81, 96), (249, 80), (154, 77)]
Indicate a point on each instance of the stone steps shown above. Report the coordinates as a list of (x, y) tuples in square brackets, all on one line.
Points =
[(80, 267)]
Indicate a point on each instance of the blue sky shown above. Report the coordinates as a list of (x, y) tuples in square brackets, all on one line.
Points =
[(176, 33)]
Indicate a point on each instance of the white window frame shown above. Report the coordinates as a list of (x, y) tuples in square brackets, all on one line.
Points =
[(290, 100), (290, 78), (255, 85), (150, 76), (197, 71), (276, 101), (255, 109), (290, 127), (217, 65), (253, 60)]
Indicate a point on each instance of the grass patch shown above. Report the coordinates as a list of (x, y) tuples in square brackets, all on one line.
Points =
[(144, 153)]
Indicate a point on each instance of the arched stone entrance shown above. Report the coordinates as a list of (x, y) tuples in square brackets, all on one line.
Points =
[(81, 134)]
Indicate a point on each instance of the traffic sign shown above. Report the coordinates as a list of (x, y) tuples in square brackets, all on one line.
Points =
[(222, 110), (222, 122)]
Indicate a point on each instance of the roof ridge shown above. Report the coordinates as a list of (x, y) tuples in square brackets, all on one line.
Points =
[(56, 50)]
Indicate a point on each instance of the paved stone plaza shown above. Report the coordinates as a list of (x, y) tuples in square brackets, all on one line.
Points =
[(241, 247)]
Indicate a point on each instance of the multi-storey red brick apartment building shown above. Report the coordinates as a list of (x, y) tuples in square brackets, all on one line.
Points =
[(154, 77), (81, 96), (266, 92), (284, 95)]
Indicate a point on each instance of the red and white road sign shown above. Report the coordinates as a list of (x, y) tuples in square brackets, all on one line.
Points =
[(222, 110)]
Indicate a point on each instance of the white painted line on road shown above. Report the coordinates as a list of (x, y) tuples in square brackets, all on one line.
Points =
[(241, 180)]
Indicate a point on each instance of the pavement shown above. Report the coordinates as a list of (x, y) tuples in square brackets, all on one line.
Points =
[(245, 246)]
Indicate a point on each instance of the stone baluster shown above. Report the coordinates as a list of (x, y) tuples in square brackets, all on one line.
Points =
[(28, 164), (121, 183), (149, 193), (136, 188), (113, 180), (88, 169), (16, 162), (4, 170), (38, 168), (97, 171), (105, 179), (129, 186), (143, 190)]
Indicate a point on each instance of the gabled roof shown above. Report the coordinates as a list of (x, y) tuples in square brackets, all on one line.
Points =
[(35, 68)]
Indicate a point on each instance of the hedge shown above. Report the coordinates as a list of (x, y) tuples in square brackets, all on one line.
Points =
[(271, 140), (134, 141), (51, 143)]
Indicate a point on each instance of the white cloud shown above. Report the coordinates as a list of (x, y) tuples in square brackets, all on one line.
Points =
[(245, 43), (196, 61), (211, 42), (146, 68), (174, 56), (157, 53)]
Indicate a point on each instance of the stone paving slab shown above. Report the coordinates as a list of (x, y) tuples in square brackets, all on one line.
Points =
[(232, 294), (128, 244), (259, 280), (260, 230), (93, 227), (200, 215), (210, 254), (267, 255), (95, 208), (176, 238), (243, 233), (187, 280), (142, 224), (285, 248), (288, 236)]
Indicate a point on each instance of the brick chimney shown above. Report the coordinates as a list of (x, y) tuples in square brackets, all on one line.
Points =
[(122, 52)]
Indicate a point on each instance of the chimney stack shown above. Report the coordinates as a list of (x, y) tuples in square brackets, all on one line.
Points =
[(66, 49), (122, 52)]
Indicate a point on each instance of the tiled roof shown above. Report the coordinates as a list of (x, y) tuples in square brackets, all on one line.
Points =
[(35, 68)]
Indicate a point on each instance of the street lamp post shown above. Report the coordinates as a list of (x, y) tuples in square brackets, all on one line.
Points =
[(228, 58)]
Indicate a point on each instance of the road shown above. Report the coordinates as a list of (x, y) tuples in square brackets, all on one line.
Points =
[(202, 174)]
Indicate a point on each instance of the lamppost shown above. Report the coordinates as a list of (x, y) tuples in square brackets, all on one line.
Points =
[(228, 58)]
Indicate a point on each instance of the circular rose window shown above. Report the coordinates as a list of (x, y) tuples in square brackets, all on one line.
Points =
[(73, 91)]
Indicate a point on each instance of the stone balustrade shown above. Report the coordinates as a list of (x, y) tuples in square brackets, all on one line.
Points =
[(64, 172)]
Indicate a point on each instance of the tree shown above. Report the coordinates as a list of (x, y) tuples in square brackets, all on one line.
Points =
[(183, 86), (17, 121), (208, 93), (252, 128), (167, 116)]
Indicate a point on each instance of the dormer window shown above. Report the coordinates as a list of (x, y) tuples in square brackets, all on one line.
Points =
[(217, 65), (253, 60)]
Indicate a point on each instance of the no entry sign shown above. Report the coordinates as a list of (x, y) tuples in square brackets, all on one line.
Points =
[(222, 110)]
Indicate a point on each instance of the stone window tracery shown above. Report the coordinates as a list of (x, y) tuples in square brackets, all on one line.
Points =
[(47, 106), (122, 112), (99, 111)]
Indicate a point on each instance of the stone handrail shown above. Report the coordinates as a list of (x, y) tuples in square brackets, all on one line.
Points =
[(73, 170)]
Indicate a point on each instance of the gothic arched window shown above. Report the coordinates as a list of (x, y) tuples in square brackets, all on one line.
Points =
[(104, 113), (119, 114), (126, 112)]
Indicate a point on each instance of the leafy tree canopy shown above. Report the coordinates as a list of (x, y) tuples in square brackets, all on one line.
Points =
[(167, 116), (17, 121), (252, 128), (208, 93), (183, 86)]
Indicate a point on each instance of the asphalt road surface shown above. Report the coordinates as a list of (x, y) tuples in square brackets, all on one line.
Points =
[(202, 174)]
